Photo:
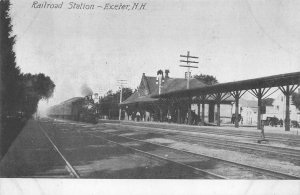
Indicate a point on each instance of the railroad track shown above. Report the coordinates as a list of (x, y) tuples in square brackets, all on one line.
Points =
[(294, 142), (201, 172), (252, 135), (68, 166), (279, 151), (231, 170), (287, 152), (292, 154), (261, 173), (219, 132), (189, 169)]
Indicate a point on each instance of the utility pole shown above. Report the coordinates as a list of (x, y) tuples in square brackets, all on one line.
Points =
[(188, 65), (188, 62), (121, 84)]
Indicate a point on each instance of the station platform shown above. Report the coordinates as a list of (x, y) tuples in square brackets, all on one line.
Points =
[(251, 128), (268, 129)]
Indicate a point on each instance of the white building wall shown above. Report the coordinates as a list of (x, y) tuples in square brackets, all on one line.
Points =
[(279, 109), (250, 114)]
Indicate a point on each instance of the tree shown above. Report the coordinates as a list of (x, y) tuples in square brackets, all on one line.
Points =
[(206, 79), (10, 73), (10, 76), (296, 100), (35, 87), (126, 93), (267, 102), (41, 85), (20, 93), (109, 104)]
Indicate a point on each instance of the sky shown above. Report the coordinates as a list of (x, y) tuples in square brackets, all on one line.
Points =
[(234, 40)]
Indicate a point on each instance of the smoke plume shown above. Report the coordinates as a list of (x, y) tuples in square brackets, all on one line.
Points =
[(86, 90)]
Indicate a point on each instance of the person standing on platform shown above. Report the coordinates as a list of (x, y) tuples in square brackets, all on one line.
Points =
[(138, 116), (169, 117)]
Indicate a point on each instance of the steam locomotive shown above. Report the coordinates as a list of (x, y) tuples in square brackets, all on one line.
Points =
[(77, 109)]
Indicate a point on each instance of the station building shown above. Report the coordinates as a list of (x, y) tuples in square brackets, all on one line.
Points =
[(141, 104), (159, 97)]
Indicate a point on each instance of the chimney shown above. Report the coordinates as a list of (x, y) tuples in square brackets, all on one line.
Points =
[(167, 71), (159, 80), (160, 72)]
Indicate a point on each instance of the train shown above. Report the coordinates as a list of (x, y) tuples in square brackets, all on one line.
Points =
[(78, 109)]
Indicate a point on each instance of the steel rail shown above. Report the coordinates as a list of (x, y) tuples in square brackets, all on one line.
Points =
[(259, 145), (197, 170), (206, 131), (255, 168), (284, 175), (248, 136), (198, 128), (289, 151), (238, 144), (70, 168), (158, 129)]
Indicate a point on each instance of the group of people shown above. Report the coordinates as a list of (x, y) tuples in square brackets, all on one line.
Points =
[(240, 119), (195, 119)]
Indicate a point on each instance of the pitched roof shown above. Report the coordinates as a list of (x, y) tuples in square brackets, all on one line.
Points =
[(71, 100), (175, 84), (151, 83), (149, 87), (136, 98)]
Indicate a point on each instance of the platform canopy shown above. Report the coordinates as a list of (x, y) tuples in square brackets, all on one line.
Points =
[(263, 82)]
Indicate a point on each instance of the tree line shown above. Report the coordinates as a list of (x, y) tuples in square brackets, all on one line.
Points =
[(109, 103), (20, 92)]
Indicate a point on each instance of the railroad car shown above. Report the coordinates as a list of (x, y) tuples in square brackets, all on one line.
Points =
[(77, 109)]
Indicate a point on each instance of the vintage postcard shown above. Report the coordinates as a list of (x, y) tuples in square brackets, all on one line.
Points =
[(150, 96)]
